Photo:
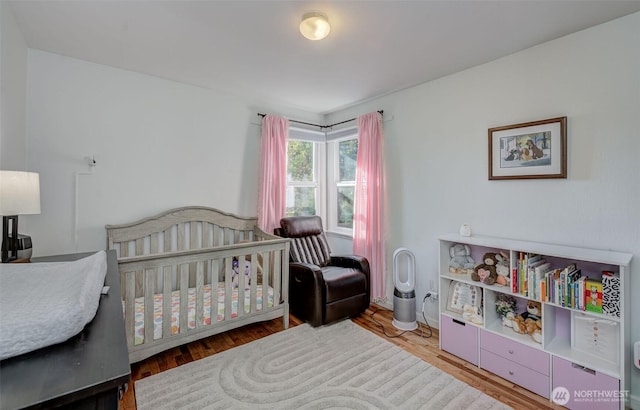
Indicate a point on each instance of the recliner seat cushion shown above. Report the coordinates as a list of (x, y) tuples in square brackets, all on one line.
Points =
[(343, 283)]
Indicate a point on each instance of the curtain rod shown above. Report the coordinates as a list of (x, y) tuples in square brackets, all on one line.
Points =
[(317, 125)]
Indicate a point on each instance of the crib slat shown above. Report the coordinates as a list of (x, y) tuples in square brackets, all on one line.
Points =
[(166, 301), (149, 288), (199, 294), (140, 246), (266, 282), (153, 245), (184, 289), (254, 283), (277, 285), (129, 306), (180, 234), (215, 283), (167, 240), (193, 235), (228, 287)]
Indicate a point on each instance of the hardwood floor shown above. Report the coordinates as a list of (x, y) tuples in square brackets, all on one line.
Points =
[(425, 348)]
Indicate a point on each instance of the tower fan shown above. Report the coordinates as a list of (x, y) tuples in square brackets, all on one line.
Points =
[(404, 294)]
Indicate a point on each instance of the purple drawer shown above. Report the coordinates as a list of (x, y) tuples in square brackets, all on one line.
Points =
[(526, 356), (459, 338), (512, 371), (588, 389)]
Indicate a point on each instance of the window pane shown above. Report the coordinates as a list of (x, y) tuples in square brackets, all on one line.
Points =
[(348, 152), (345, 206), (301, 201), (300, 161)]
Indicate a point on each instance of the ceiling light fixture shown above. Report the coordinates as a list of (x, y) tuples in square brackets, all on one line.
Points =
[(315, 26)]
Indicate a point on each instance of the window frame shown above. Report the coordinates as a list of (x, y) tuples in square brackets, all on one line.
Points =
[(319, 168), (333, 181)]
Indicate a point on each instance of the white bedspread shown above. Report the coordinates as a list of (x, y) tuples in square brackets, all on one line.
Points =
[(47, 303)]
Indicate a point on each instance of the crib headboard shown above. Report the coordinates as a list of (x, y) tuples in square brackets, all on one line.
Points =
[(182, 229)]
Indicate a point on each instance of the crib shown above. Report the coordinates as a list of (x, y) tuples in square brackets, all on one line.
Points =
[(192, 272)]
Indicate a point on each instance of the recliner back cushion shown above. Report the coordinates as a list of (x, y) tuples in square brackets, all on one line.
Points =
[(308, 242)]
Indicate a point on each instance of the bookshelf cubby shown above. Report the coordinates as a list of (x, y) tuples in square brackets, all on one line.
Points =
[(583, 349)]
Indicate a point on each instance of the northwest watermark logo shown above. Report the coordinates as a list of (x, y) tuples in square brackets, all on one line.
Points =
[(562, 396)]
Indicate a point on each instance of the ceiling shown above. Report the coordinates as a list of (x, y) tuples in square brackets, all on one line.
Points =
[(254, 49)]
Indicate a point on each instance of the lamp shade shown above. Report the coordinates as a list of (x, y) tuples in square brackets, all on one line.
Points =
[(19, 193), (315, 26)]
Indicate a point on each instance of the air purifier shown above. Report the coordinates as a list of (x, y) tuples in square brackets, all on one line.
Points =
[(404, 293)]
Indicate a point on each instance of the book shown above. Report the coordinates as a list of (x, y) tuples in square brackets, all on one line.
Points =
[(593, 296)]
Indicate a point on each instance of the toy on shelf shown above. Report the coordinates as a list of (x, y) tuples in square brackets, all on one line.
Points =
[(530, 321), (472, 314), (485, 272), (461, 260), (506, 309), (502, 269)]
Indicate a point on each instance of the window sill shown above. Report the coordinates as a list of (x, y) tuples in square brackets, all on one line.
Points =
[(339, 235)]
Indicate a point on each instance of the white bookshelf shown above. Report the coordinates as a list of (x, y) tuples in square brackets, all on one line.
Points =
[(604, 363)]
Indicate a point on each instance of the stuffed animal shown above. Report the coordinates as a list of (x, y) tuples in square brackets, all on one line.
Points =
[(472, 314), (486, 272), (502, 269), (530, 321), (236, 272), (461, 260)]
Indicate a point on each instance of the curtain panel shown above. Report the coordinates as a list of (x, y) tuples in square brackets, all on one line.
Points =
[(369, 221), (273, 172)]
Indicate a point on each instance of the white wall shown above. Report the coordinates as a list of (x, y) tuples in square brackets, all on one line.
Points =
[(436, 152), (158, 144), (13, 92)]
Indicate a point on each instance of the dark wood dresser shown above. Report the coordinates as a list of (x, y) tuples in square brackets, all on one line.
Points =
[(87, 371)]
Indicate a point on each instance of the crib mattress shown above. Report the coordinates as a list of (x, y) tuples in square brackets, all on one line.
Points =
[(191, 309)]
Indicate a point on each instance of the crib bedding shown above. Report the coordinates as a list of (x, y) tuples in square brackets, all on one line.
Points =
[(42, 304), (191, 309)]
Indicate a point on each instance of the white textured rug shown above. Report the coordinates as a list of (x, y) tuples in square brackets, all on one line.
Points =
[(340, 366)]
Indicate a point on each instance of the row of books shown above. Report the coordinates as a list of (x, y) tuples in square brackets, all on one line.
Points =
[(534, 278)]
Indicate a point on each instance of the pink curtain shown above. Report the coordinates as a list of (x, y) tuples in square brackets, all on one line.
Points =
[(369, 212), (273, 172)]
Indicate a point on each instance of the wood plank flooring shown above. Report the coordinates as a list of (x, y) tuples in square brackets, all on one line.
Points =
[(426, 348)]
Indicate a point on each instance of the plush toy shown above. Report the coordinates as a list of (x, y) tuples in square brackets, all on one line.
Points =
[(486, 272), (472, 314), (461, 261), (502, 269), (236, 272), (530, 321)]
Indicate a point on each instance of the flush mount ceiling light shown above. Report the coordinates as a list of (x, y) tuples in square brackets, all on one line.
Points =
[(315, 26)]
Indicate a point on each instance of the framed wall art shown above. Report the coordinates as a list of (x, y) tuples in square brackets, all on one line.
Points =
[(529, 150)]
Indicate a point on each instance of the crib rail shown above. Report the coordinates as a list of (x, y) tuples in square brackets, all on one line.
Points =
[(182, 229)]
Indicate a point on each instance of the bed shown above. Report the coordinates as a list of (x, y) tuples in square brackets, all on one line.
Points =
[(204, 270)]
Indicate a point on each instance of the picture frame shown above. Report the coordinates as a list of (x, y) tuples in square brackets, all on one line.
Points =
[(529, 150), (461, 294)]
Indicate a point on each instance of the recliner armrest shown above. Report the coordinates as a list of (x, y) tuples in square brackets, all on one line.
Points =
[(352, 261), (307, 292)]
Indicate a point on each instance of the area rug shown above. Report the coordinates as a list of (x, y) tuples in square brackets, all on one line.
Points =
[(339, 366)]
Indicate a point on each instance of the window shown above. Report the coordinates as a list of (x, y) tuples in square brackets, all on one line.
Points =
[(321, 177), (301, 178), (345, 184)]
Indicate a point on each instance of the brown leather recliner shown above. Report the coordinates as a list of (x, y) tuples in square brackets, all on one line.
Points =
[(322, 288)]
